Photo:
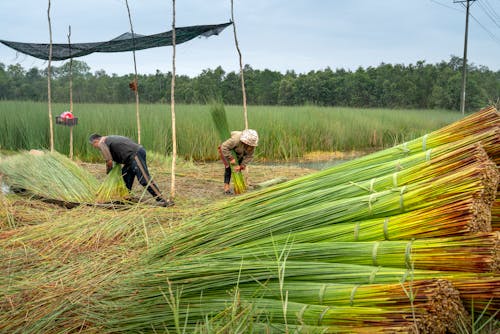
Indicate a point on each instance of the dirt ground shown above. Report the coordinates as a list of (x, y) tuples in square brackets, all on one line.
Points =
[(198, 184)]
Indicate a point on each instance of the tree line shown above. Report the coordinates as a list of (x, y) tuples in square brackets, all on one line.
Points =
[(416, 86)]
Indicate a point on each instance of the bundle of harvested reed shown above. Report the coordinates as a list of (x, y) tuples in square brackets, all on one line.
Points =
[(482, 127), (113, 187), (470, 253), (435, 307), (462, 217), (218, 113), (49, 175), (436, 303), (477, 180)]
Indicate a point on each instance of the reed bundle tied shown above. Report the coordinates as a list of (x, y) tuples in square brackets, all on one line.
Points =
[(462, 217), (435, 307), (477, 180), (219, 117), (471, 253)]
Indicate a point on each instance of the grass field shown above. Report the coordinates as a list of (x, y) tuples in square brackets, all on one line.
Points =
[(287, 133)]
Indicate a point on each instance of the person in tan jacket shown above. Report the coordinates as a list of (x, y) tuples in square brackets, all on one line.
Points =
[(243, 144)]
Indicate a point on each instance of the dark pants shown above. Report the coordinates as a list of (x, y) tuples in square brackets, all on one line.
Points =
[(227, 166), (137, 167)]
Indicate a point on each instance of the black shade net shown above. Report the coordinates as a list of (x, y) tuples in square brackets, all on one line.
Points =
[(122, 43)]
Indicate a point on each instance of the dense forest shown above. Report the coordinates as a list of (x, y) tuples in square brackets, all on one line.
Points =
[(420, 85)]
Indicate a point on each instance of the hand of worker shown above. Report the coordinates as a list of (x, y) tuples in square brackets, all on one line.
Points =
[(237, 168), (232, 162)]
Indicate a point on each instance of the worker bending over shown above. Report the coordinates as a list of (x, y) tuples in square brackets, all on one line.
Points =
[(132, 156)]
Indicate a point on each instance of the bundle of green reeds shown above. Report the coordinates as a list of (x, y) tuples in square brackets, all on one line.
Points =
[(478, 180), (471, 253), (463, 217), (435, 306), (218, 113), (53, 176), (49, 175), (113, 187)]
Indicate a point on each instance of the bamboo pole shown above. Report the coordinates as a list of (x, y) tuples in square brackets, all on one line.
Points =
[(51, 125), (172, 106), (245, 115), (70, 96), (135, 86)]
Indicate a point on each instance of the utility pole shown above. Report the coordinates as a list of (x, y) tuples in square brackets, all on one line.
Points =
[(464, 66)]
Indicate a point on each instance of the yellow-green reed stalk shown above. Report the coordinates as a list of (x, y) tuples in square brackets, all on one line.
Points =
[(113, 187), (473, 180), (205, 285), (219, 117), (427, 169), (49, 175), (438, 306), (463, 217), (470, 253)]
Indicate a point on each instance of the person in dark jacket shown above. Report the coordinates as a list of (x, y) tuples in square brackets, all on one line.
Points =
[(243, 143), (132, 156)]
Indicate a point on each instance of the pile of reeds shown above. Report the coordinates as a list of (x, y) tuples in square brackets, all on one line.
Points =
[(386, 243), (52, 176), (219, 117)]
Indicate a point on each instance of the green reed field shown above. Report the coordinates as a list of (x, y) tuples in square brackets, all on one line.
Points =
[(286, 133)]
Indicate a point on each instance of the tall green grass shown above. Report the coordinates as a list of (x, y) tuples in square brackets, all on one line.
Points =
[(286, 133)]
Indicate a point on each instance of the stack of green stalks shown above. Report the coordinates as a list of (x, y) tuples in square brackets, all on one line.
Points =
[(472, 175), (54, 177), (219, 117), (386, 243)]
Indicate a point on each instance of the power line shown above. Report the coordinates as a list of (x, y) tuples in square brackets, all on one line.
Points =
[(464, 65), (490, 13), (491, 9), (445, 5)]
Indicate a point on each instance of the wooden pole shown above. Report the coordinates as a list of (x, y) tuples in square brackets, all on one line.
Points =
[(70, 96), (241, 69), (172, 107), (135, 85), (51, 125)]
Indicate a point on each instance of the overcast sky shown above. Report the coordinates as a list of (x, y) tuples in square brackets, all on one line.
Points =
[(280, 35)]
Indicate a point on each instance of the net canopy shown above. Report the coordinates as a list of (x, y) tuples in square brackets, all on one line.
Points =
[(122, 43)]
